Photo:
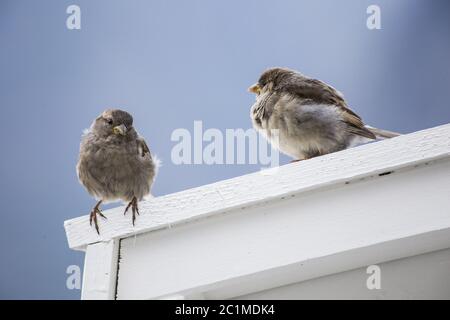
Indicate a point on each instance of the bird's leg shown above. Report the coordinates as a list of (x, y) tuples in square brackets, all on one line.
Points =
[(134, 208), (93, 215)]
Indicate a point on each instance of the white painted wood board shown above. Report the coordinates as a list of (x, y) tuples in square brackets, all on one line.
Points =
[(424, 276), (298, 237), (100, 271)]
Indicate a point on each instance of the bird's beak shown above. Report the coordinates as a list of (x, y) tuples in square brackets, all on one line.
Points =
[(255, 89), (122, 130)]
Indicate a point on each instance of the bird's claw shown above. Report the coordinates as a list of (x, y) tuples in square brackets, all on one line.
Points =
[(134, 209), (93, 216), (101, 214)]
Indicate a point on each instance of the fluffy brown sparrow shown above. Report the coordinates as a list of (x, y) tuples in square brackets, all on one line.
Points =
[(306, 118), (115, 162)]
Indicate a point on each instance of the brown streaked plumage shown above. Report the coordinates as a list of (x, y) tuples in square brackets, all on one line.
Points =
[(312, 118)]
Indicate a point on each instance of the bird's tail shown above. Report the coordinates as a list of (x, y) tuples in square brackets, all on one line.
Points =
[(382, 134)]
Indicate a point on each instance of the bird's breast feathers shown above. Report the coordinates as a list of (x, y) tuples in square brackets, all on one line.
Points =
[(297, 126), (114, 159)]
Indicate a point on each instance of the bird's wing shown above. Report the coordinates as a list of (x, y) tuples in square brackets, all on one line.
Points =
[(383, 134), (321, 93), (143, 149)]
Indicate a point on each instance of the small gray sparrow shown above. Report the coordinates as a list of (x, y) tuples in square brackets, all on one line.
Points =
[(115, 163), (304, 117)]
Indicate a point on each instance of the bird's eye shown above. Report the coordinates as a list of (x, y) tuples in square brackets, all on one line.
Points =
[(109, 121)]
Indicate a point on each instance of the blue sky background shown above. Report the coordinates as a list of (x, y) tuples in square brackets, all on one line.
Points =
[(170, 63)]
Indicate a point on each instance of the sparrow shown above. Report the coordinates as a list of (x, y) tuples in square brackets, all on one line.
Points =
[(115, 163), (304, 117)]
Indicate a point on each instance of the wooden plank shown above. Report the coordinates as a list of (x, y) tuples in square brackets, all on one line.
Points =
[(312, 234), (337, 168), (100, 271)]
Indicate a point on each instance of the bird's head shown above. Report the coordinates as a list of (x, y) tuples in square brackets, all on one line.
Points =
[(113, 122), (273, 79)]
